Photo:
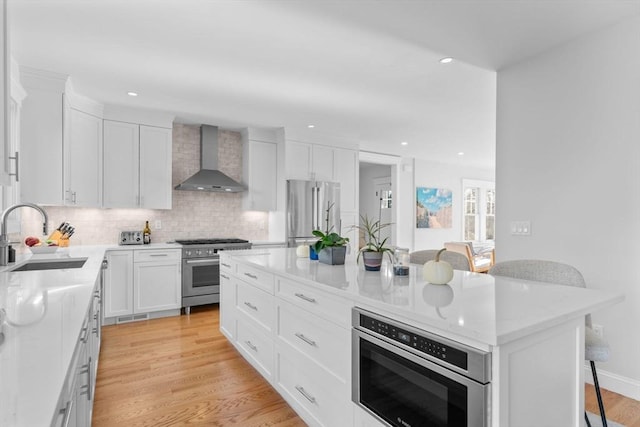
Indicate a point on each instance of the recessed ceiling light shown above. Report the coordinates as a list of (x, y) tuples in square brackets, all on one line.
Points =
[(460, 153), (404, 143), (446, 60), (311, 126), (132, 94)]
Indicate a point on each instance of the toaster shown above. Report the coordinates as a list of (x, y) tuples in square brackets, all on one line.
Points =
[(130, 238)]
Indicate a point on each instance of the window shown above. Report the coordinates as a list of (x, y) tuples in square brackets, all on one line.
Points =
[(479, 210)]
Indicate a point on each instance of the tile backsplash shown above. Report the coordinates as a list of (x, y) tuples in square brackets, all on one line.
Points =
[(193, 215)]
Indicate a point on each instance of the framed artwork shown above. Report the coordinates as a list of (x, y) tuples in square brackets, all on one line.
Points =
[(433, 208)]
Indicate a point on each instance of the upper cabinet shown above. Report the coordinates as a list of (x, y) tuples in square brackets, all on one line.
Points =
[(324, 163), (82, 150), (137, 166), (41, 137), (77, 152), (5, 66), (260, 169)]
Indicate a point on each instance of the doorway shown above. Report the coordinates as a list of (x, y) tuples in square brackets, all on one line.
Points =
[(377, 198)]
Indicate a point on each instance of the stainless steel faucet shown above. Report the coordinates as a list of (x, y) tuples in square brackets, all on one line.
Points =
[(4, 239)]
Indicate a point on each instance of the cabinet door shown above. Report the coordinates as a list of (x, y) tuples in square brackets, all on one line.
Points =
[(83, 166), (5, 63), (41, 145), (157, 286), (262, 173), (322, 166), (120, 160), (227, 304), (155, 167), (298, 160), (345, 171), (118, 284)]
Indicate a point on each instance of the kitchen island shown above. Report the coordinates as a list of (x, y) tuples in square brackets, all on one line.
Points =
[(291, 319), (47, 315)]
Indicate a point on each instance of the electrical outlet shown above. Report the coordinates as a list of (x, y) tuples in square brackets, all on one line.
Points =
[(599, 330), (158, 224)]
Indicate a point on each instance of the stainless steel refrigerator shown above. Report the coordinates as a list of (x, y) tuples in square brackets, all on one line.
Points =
[(311, 205)]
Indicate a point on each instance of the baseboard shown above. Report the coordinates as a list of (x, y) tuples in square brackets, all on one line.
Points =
[(614, 382)]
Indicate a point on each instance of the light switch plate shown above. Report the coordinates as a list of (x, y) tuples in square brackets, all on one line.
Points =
[(521, 228)]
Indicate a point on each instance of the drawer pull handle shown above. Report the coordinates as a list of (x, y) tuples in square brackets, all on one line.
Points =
[(225, 265), (306, 298), (67, 413), (253, 276), (251, 346), (303, 392), (224, 277), (305, 339), (251, 306)]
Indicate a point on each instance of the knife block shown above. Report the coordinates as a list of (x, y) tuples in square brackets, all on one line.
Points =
[(63, 242)]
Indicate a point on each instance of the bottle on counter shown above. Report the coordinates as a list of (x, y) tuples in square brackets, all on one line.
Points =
[(146, 234)]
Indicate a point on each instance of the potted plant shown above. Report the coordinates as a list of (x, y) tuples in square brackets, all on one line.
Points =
[(330, 247), (374, 248)]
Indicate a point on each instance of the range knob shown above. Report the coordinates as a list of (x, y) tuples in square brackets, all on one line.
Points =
[(187, 253), (198, 252), (211, 252)]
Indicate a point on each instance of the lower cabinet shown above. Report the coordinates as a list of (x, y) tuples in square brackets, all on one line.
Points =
[(141, 284), (75, 405), (296, 336)]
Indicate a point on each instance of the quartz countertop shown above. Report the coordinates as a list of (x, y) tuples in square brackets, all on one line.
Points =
[(475, 308), (35, 356)]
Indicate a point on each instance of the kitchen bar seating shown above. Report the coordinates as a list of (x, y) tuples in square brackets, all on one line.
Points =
[(457, 261), (596, 349)]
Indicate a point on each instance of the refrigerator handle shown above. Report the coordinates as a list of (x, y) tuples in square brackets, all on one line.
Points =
[(314, 209), (318, 209)]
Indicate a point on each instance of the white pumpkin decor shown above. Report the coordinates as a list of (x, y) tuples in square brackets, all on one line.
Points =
[(302, 251), (436, 271)]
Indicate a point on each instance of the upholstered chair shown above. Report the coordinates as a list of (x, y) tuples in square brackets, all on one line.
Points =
[(596, 349), (457, 261)]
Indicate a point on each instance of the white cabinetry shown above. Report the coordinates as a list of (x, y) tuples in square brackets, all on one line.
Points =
[(323, 163), (5, 80), (41, 137), (137, 166), (260, 169), (83, 158), (296, 336), (156, 280), (141, 284), (75, 404)]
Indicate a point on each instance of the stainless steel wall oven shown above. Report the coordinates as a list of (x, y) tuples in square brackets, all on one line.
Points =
[(201, 269), (407, 377)]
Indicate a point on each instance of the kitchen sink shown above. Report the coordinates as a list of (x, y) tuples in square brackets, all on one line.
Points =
[(50, 264)]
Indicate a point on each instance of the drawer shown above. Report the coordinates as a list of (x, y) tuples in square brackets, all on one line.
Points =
[(256, 277), (315, 395), (227, 265), (256, 347), (326, 343), (146, 255), (256, 304), (328, 307)]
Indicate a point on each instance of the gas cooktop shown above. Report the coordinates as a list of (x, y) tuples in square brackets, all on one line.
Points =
[(215, 241)]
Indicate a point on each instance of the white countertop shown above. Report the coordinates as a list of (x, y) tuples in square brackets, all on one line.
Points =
[(34, 358), (475, 308)]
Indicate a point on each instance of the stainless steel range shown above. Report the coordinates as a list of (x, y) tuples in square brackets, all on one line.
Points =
[(201, 269)]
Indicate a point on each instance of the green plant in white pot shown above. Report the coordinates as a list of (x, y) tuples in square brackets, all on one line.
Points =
[(374, 249)]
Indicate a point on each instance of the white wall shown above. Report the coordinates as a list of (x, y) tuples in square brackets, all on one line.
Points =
[(568, 160), (438, 175)]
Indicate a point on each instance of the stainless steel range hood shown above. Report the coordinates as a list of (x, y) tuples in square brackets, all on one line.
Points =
[(209, 178)]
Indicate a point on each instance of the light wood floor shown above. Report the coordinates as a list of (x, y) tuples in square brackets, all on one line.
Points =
[(181, 371)]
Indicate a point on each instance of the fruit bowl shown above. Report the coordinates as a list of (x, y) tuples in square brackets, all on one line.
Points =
[(43, 249)]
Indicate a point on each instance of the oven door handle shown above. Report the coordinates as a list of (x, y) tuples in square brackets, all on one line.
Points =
[(203, 261)]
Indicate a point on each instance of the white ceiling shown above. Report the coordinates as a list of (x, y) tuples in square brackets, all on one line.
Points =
[(365, 70)]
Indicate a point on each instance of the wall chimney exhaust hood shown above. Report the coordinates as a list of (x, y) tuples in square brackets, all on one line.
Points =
[(209, 178)]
